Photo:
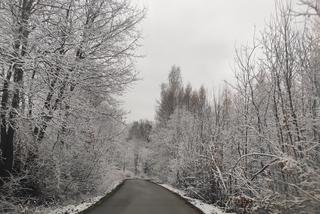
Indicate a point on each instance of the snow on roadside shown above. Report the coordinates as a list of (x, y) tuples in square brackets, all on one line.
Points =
[(74, 209), (205, 208)]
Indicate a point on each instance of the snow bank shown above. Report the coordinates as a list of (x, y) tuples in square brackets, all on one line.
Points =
[(205, 208), (74, 209)]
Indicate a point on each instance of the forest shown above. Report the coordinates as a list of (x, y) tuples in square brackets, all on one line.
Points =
[(62, 64), (251, 147)]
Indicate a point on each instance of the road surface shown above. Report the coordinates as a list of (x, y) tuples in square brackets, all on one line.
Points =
[(143, 197)]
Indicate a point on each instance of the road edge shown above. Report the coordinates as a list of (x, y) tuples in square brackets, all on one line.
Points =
[(188, 203), (108, 195)]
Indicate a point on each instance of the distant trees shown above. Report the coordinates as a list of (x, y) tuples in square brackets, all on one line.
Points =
[(181, 135), (140, 130), (174, 95), (170, 94), (138, 143)]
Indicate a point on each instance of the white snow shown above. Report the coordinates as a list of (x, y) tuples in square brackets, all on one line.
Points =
[(205, 208), (74, 209)]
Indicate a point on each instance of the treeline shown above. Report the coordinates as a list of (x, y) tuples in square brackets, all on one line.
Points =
[(62, 62), (255, 147), (183, 136), (138, 149), (174, 95)]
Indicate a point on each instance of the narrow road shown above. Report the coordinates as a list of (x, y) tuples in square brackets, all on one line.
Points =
[(143, 197)]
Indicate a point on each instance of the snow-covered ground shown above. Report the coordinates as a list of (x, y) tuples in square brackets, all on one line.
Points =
[(205, 208), (74, 209)]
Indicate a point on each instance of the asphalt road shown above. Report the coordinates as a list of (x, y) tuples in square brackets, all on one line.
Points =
[(143, 197)]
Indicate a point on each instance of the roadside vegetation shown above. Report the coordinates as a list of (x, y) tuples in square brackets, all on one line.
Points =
[(252, 147), (62, 63)]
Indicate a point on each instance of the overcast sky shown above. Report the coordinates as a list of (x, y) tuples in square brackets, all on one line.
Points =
[(197, 35)]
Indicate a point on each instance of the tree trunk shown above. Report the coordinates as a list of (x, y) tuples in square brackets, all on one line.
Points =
[(7, 127)]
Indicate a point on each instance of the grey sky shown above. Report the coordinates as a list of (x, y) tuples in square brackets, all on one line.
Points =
[(197, 35)]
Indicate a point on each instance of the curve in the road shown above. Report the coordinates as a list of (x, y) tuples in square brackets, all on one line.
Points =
[(143, 197)]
